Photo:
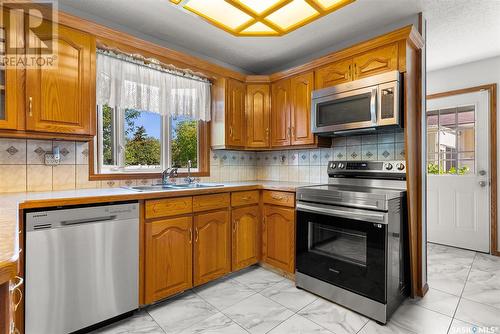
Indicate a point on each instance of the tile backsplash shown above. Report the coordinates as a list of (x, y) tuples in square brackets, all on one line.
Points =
[(22, 165), (311, 165)]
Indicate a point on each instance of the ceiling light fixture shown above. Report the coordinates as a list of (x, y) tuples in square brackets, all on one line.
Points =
[(260, 17)]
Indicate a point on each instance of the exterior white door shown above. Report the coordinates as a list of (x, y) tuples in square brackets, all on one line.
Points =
[(458, 176)]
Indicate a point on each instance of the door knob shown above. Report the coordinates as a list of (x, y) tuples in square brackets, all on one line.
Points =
[(482, 172), (482, 183)]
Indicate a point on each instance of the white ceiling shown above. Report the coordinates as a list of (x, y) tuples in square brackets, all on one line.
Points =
[(458, 30), (461, 31)]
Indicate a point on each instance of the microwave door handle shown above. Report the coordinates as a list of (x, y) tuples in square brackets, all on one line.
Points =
[(373, 105)]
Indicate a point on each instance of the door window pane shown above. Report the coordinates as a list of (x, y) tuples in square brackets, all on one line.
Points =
[(451, 141)]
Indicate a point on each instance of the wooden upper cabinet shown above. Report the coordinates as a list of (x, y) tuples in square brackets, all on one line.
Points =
[(258, 116), (334, 74), (212, 246), (278, 244), (280, 113), (168, 263), (235, 108), (245, 237), (61, 98), (301, 90), (10, 78), (379, 60)]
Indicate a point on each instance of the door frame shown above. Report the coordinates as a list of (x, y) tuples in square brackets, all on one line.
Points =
[(492, 89)]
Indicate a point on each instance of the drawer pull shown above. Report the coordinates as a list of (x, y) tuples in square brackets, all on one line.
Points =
[(278, 197), (245, 198)]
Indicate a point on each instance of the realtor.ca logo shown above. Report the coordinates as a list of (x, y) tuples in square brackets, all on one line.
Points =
[(29, 29)]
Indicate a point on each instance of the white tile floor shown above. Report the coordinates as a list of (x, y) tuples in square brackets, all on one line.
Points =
[(464, 297)]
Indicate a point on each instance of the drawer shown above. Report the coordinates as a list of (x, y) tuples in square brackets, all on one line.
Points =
[(244, 198), (279, 198), (168, 207), (211, 202)]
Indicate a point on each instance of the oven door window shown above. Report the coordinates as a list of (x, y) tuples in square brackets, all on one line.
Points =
[(344, 252), (341, 244)]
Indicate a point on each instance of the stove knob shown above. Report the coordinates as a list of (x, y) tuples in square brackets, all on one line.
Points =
[(400, 166), (388, 166), (341, 165), (333, 166)]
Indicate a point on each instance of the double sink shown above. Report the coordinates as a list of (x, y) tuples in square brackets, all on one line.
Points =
[(167, 187)]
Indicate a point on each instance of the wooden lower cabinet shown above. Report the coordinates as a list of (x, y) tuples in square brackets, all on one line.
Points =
[(245, 237), (278, 243), (169, 254), (212, 246)]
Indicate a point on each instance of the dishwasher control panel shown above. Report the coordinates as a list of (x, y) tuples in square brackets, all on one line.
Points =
[(67, 216)]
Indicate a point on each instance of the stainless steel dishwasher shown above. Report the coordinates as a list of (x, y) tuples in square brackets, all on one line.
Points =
[(82, 266)]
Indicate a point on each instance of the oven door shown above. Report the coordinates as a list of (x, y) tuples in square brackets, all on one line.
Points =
[(343, 246), (351, 110)]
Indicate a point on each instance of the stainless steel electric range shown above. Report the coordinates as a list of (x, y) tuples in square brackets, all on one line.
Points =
[(352, 237)]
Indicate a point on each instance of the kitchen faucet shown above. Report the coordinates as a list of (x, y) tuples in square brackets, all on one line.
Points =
[(167, 174), (189, 179)]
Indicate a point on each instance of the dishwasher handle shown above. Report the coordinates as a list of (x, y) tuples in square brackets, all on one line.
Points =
[(87, 220)]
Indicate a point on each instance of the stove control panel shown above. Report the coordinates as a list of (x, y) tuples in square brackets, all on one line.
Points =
[(391, 169)]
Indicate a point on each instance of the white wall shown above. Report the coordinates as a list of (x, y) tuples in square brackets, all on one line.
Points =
[(486, 71)]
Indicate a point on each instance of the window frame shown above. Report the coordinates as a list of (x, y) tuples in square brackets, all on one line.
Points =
[(202, 170)]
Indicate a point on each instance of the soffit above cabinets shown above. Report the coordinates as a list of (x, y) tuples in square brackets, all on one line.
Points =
[(260, 18)]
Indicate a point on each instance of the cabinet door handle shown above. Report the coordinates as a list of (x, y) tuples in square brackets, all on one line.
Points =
[(196, 234), (31, 106), (235, 226), (267, 133), (292, 132), (190, 235), (230, 131)]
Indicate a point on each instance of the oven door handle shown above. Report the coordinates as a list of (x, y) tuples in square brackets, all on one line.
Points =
[(372, 217)]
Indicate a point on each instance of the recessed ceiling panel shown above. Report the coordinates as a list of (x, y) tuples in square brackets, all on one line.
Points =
[(294, 13), (258, 6), (258, 28), (259, 17), (219, 12)]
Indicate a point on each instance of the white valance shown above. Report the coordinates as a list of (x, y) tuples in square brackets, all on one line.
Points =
[(124, 82)]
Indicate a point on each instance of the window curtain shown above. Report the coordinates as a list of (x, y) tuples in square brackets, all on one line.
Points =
[(125, 82)]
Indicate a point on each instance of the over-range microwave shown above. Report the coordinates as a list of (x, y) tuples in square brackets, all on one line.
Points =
[(357, 106)]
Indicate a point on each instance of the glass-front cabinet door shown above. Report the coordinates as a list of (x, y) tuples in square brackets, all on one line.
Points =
[(10, 30)]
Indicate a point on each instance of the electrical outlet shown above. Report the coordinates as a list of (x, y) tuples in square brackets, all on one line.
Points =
[(52, 159)]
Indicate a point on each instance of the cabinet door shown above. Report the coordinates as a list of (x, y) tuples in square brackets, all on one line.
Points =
[(61, 98), (10, 78), (334, 74), (258, 116), (245, 240), (212, 246), (278, 245), (380, 60), (235, 126), (301, 89), (169, 254), (280, 114)]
